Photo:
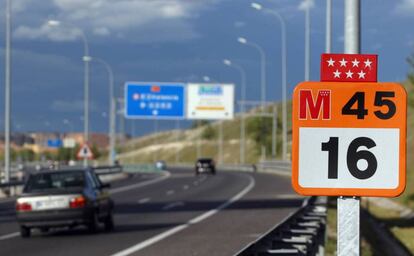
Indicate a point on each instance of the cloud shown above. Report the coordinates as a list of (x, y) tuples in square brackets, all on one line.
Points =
[(45, 31), (107, 17), (101, 31), (306, 4), (239, 24), (405, 7)]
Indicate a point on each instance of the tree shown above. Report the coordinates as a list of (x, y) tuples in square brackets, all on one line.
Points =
[(199, 123), (95, 151), (209, 133), (260, 130)]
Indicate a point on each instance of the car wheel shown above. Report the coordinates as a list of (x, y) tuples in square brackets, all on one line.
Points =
[(109, 222), (25, 231), (93, 223)]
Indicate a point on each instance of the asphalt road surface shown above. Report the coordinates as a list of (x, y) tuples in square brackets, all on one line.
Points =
[(172, 213)]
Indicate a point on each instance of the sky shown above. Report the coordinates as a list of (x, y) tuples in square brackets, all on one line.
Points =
[(174, 41)]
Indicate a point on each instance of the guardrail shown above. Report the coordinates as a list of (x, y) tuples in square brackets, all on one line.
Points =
[(301, 233), (11, 184), (104, 170), (133, 168), (100, 170), (275, 164)]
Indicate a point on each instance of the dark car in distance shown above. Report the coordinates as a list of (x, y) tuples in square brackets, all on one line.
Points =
[(64, 198), (204, 165)]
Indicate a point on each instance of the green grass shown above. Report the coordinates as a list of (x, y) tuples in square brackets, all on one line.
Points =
[(402, 229)]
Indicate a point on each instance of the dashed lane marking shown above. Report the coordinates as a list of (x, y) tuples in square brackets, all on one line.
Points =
[(172, 205), (144, 200), (170, 232)]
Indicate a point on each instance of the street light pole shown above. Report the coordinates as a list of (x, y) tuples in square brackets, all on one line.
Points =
[(243, 40), (328, 39), (71, 127), (86, 59), (112, 114), (7, 101), (284, 72), (307, 40), (243, 98)]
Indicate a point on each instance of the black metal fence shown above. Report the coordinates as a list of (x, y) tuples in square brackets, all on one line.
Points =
[(302, 233)]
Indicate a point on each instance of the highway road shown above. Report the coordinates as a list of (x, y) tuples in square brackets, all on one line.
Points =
[(171, 213)]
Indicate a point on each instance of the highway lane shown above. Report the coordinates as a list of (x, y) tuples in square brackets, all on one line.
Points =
[(174, 216)]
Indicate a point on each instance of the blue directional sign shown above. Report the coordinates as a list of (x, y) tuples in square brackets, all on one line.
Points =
[(54, 143), (154, 100)]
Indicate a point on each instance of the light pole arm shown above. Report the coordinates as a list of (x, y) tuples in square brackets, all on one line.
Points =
[(85, 43)]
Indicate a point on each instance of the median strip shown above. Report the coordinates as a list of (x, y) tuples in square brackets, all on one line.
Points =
[(144, 200)]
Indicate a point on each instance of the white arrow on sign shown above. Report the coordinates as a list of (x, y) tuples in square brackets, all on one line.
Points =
[(85, 152)]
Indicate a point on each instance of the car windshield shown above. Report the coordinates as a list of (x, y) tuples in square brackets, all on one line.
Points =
[(55, 180), (205, 160)]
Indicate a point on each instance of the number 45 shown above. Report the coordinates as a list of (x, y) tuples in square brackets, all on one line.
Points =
[(352, 157), (380, 100)]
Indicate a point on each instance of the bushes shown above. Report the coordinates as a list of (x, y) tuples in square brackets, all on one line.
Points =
[(260, 129), (209, 133)]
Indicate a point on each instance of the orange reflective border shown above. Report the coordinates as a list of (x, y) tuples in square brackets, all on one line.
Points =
[(321, 105)]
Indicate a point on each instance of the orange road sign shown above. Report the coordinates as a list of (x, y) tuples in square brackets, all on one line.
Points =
[(349, 139)]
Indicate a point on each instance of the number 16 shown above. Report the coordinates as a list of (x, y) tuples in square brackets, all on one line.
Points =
[(352, 157)]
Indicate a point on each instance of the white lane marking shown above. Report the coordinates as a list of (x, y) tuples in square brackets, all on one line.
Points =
[(144, 200), (177, 229), (172, 205), (170, 192), (195, 183), (141, 184), (185, 187), (8, 236)]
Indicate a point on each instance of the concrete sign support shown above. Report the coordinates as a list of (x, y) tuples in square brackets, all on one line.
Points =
[(220, 156), (177, 139)]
